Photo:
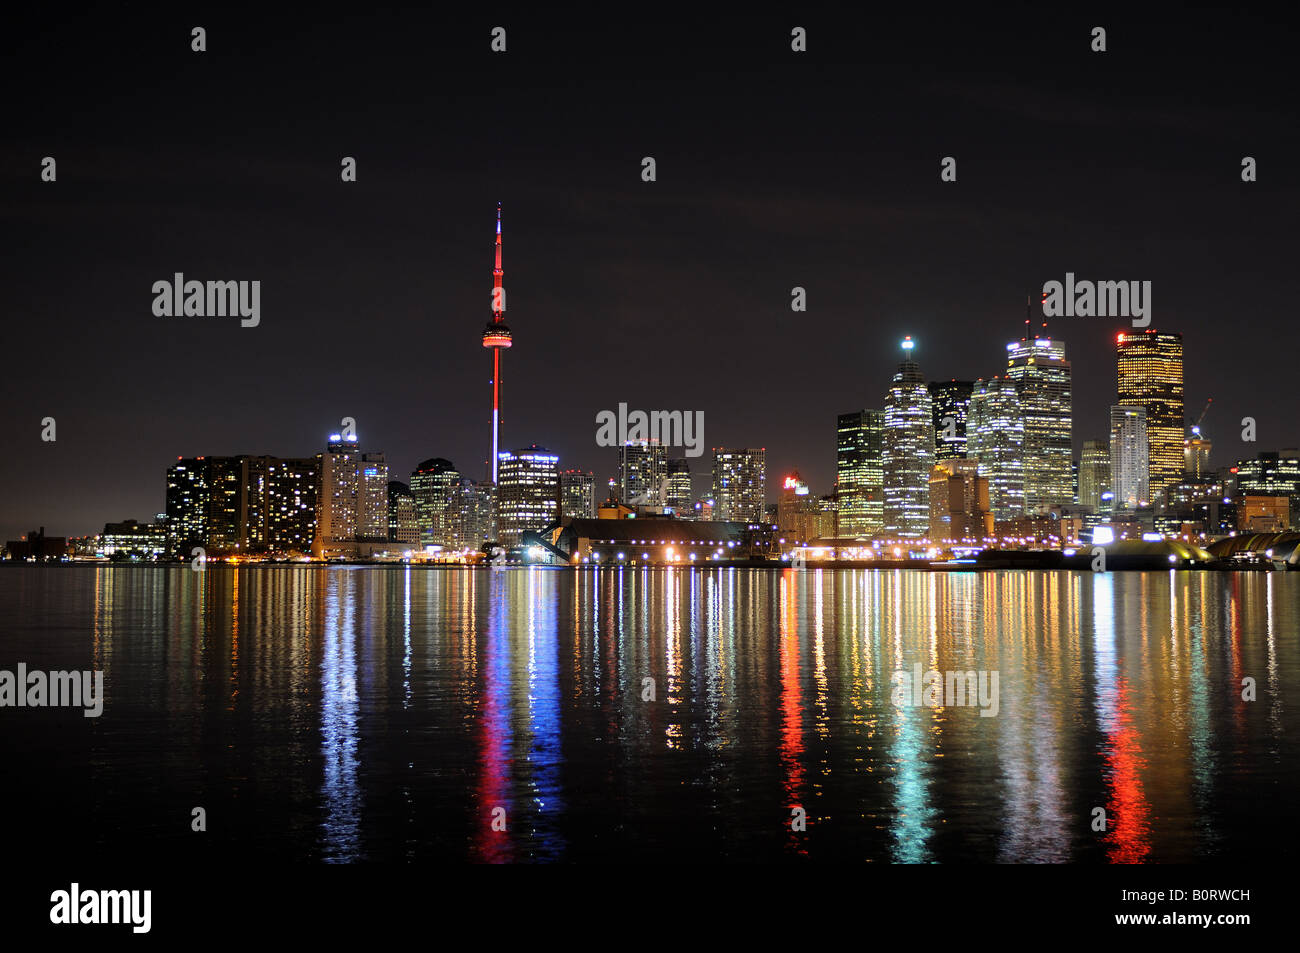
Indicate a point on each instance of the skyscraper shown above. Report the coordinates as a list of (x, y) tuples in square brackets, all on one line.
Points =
[(292, 485), (528, 492), (578, 494), (480, 511), (859, 473), (950, 401), (739, 484), (680, 497), (908, 450), (1129, 466), (436, 486), (1150, 365), (1094, 473), (337, 505), (403, 526), (372, 497), (996, 438), (1042, 377), (642, 466), (497, 337)]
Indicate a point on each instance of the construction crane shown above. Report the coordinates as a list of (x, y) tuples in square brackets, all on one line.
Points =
[(1196, 427)]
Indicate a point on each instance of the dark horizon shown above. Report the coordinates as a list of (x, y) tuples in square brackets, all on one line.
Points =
[(775, 170)]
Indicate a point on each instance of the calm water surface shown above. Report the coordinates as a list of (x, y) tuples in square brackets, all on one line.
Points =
[(341, 714)]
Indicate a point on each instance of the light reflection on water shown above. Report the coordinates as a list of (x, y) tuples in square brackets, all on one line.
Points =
[(374, 713)]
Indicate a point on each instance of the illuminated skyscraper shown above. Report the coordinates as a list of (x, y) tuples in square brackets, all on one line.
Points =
[(480, 511), (372, 497), (1094, 473), (1042, 376), (908, 450), (739, 484), (950, 401), (1150, 365), (528, 492), (996, 438), (337, 505), (1129, 466), (642, 466), (497, 337), (578, 494), (859, 473), (403, 525), (680, 496), (439, 504)]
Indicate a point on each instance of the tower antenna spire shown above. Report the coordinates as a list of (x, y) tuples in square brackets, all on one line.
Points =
[(496, 337)]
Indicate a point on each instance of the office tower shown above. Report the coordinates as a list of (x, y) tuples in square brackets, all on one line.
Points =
[(528, 492), (950, 401), (959, 503), (1042, 377), (908, 450), (479, 507), (403, 523), (578, 494), (1094, 473), (996, 438), (739, 484), (680, 496), (372, 497), (292, 485), (497, 337), (1150, 365), (859, 473), (642, 467), (437, 488), (1129, 467)]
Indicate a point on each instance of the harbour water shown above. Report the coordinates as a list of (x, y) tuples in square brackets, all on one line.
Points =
[(390, 713)]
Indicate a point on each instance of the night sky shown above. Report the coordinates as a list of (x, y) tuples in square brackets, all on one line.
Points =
[(775, 169)]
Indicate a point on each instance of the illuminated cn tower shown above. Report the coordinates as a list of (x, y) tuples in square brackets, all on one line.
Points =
[(496, 336)]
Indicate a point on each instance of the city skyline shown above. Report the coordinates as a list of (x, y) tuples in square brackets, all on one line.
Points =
[(674, 293)]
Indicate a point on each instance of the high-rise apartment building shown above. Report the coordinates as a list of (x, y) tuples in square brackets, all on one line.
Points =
[(1129, 467), (403, 524), (578, 494), (642, 467), (739, 484)]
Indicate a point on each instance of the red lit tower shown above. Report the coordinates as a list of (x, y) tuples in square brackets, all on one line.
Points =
[(496, 336)]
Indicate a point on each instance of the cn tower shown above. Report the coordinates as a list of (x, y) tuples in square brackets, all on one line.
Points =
[(496, 336)]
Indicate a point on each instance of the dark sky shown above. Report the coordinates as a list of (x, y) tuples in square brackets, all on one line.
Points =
[(775, 169)]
